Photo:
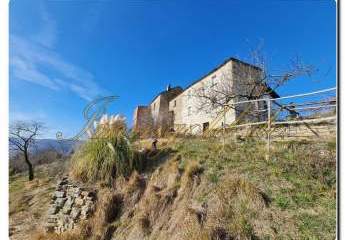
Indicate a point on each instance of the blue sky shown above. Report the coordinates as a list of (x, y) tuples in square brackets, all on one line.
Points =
[(65, 53)]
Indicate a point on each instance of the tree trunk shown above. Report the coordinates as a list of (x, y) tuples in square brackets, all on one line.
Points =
[(31, 170)]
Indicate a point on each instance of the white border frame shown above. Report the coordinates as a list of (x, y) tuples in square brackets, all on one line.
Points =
[(4, 117)]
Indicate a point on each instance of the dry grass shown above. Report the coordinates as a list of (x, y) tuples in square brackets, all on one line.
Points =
[(112, 207), (136, 183), (28, 201), (144, 223), (290, 196), (55, 236), (229, 212), (238, 194), (238, 202), (194, 169), (83, 232)]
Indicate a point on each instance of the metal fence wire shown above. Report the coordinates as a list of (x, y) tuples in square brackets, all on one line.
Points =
[(304, 115)]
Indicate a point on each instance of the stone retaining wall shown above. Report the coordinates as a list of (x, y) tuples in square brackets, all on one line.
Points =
[(70, 203), (288, 132)]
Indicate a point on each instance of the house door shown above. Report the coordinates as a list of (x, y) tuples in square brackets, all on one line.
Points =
[(205, 126)]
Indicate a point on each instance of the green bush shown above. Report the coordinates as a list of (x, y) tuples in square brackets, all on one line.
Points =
[(103, 158)]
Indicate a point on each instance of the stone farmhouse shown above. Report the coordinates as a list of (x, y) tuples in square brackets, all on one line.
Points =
[(177, 109), (156, 115)]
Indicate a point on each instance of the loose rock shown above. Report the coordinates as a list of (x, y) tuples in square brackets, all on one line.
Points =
[(60, 194), (69, 204)]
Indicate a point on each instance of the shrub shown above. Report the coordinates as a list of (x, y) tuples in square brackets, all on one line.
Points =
[(103, 159), (105, 155)]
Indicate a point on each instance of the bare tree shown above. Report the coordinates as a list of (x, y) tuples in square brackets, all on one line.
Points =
[(22, 138), (253, 81)]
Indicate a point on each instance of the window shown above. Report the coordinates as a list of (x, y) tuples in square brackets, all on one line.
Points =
[(205, 126), (189, 111), (154, 106), (174, 103)]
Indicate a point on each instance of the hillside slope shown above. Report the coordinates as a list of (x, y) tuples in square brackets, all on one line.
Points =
[(203, 191), (29, 201), (196, 189)]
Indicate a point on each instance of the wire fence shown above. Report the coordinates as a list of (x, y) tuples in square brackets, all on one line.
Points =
[(307, 115), (307, 107)]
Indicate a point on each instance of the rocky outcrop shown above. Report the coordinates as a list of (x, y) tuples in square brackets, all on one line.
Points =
[(70, 204)]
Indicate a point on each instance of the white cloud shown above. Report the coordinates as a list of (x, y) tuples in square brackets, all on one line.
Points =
[(26, 70), (33, 59)]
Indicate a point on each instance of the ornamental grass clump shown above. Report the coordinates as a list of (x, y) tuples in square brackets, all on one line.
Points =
[(106, 155)]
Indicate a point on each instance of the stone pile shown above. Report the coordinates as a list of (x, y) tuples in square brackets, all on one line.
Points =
[(69, 204)]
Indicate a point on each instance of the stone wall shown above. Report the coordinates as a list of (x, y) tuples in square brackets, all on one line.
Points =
[(142, 119), (191, 110), (70, 204), (310, 131), (156, 115)]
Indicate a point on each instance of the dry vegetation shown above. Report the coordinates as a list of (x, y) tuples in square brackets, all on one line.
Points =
[(196, 189), (28, 201)]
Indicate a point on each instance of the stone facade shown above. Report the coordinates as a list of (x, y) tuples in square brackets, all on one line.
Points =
[(237, 76), (69, 204), (184, 109), (155, 118), (142, 119)]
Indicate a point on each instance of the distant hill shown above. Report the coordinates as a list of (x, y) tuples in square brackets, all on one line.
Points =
[(62, 147), (45, 151)]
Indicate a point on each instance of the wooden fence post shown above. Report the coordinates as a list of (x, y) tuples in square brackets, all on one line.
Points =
[(268, 129), (223, 127)]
